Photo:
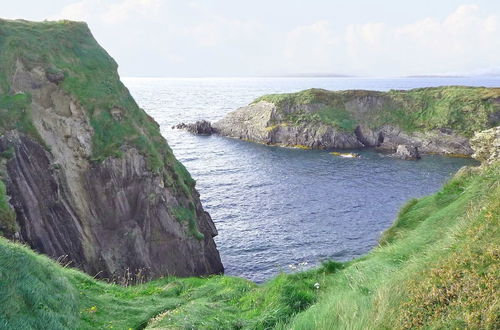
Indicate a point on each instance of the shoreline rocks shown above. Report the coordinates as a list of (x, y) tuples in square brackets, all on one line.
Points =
[(355, 119)]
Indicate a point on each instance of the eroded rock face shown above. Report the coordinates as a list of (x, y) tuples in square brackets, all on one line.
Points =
[(436, 142), (261, 122), (264, 122), (107, 217)]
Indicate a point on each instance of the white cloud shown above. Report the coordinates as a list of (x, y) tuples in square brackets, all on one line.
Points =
[(310, 48), (194, 36), (218, 30), (122, 11), (463, 40), (107, 11)]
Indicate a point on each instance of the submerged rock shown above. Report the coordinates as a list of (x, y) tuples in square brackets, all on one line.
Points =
[(406, 152)]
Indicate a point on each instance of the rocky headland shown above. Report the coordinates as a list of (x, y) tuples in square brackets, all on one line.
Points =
[(437, 120), (85, 174)]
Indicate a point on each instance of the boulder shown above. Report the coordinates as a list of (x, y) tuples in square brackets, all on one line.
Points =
[(201, 127), (406, 152), (55, 77)]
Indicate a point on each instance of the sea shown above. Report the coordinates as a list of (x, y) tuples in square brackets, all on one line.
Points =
[(283, 209)]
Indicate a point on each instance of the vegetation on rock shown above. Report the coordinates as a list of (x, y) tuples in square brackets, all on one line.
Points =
[(90, 75), (8, 225), (464, 110), (70, 57)]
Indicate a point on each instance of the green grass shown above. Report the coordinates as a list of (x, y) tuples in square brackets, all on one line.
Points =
[(436, 267), (463, 109), (15, 114), (8, 225), (35, 292), (188, 215), (90, 77)]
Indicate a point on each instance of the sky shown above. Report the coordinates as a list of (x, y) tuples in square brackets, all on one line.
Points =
[(202, 38)]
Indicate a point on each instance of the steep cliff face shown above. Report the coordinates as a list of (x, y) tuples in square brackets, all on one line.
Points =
[(87, 172), (436, 120)]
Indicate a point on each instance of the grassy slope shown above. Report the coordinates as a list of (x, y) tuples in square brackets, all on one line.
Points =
[(35, 292), (463, 109), (438, 266)]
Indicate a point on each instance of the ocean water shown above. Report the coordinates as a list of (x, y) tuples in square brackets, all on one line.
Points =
[(280, 209)]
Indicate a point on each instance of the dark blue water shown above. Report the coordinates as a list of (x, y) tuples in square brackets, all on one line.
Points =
[(281, 209)]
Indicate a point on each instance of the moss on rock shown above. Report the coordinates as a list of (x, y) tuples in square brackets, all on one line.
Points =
[(464, 110)]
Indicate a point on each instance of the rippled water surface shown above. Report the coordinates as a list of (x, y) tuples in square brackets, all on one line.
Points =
[(276, 208)]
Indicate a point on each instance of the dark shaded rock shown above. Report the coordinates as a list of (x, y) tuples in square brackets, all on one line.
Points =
[(368, 137), (201, 127), (117, 113), (406, 152), (55, 77), (494, 118)]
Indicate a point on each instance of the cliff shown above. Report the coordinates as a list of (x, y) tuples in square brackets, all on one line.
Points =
[(436, 120), (88, 176)]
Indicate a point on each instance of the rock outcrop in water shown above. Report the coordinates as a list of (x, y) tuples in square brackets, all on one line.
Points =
[(406, 152), (87, 172), (201, 127), (435, 120)]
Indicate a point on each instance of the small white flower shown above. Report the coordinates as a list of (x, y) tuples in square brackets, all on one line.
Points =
[(316, 285)]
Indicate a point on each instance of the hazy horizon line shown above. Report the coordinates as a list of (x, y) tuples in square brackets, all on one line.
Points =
[(320, 76)]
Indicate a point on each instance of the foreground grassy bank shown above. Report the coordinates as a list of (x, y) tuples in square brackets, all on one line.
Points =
[(437, 266)]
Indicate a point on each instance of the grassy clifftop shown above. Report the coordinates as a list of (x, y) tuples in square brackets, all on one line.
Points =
[(90, 76), (67, 53), (436, 267), (463, 109)]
